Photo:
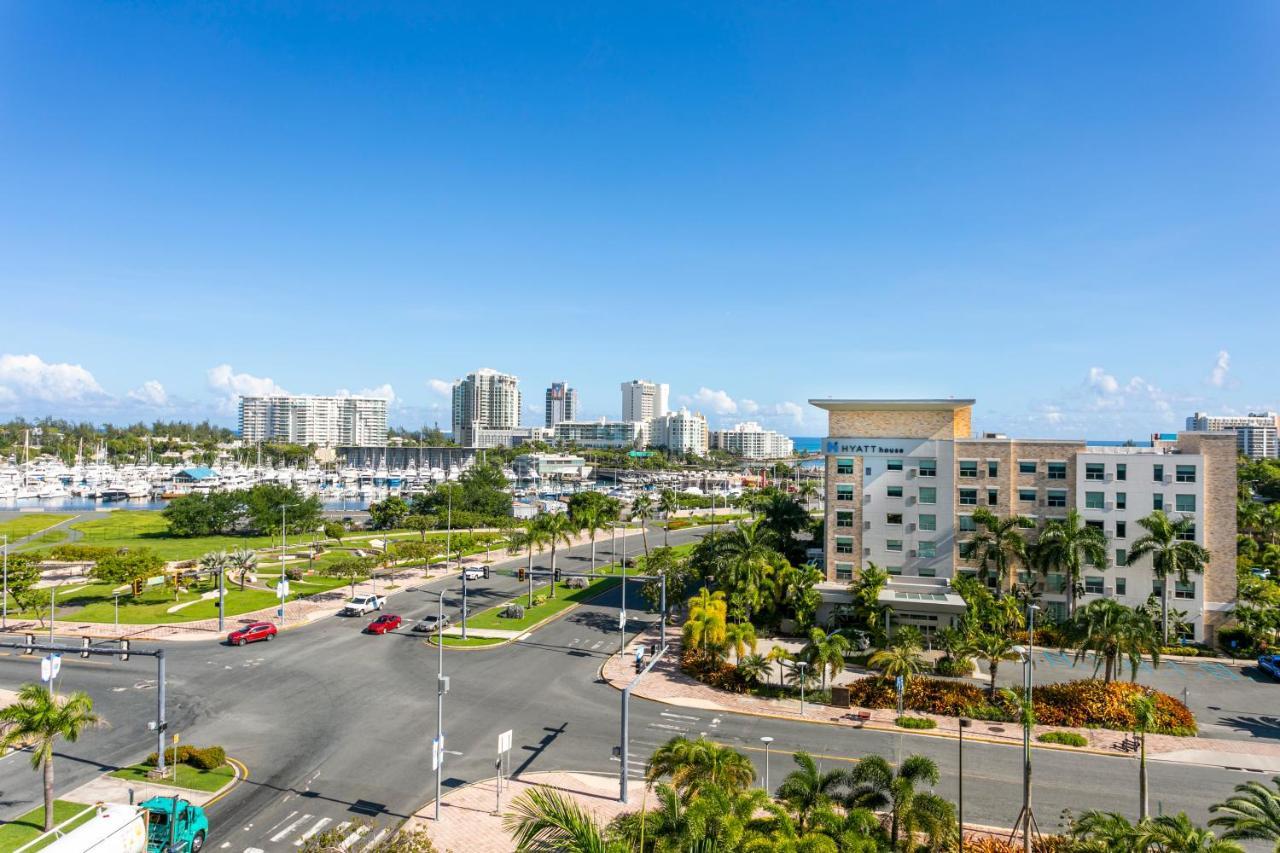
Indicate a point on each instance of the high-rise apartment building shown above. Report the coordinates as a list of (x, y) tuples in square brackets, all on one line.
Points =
[(324, 421), (486, 400), (562, 404), (752, 441), (642, 400), (679, 432), (905, 479), (602, 433), (1257, 435)]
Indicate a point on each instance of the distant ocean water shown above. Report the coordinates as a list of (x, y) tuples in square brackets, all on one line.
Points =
[(806, 443)]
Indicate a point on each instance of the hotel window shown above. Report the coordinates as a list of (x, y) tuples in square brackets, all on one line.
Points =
[(993, 497), (968, 497), (844, 466), (1188, 534), (1093, 585), (928, 522), (1094, 500), (867, 470), (844, 544), (928, 550), (1095, 471), (1185, 473), (844, 519), (1121, 530), (1122, 586), (893, 570), (1057, 470), (927, 572), (968, 469), (893, 465), (1096, 525), (844, 493), (894, 491), (1026, 496), (993, 468), (1122, 556), (1157, 473), (1055, 497), (1184, 503), (1026, 466), (893, 544), (1122, 500), (967, 524), (893, 518), (1122, 470), (1184, 590), (844, 571), (928, 467), (1157, 501), (928, 495)]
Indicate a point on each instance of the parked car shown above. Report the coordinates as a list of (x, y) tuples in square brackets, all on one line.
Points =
[(430, 624), (384, 623), (252, 633), (360, 605), (473, 574), (1270, 664)]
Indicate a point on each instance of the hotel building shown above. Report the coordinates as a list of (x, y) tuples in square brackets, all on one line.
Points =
[(562, 404), (484, 400), (643, 400), (1257, 435), (602, 434), (680, 432), (752, 441), (905, 477), (323, 421)]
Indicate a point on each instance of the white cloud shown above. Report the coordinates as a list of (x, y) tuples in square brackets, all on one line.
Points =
[(1102, 382), (792, 410), (748, 407), (440, 386), (716, 401), (151, 393), (1218, 378), (30, 378), (230, 385)]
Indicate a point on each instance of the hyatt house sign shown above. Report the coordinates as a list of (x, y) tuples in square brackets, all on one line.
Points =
[(864, 447)]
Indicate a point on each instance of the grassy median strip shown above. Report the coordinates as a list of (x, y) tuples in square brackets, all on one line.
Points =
[(189, 777), (565, 598), (30, 826), (451, 641)]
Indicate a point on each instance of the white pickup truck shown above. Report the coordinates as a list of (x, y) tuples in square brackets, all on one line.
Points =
[(359, 605)]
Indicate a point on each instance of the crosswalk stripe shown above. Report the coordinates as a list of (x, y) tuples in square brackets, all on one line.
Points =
[(254, 850), (377, 838), (315, 827), (282, 834), (353, 837)]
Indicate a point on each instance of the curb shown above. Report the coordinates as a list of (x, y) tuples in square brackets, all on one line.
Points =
[(241, 774)]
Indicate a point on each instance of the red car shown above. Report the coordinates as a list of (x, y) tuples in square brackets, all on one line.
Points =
[(252, 633), (384, 623)]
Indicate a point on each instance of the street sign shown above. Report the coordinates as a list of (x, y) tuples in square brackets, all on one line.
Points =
[(622, 619), (899, 684), (49, 667), (437, 754), (504, 741), (155, 581), (282, 589)]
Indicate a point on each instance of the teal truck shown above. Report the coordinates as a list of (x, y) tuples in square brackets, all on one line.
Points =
[(174, 825), (159, 825)]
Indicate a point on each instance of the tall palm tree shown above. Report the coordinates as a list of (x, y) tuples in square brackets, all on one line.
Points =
[(1066, 546), (993, 646), (1173, 556), (705, 627), (543, 820), (592, 518), (1177, 834), (695, 764), (241, 561), (1144, 717), (1252, 813), (997, 545), (668, 505), (534, 537), (899, 659), (41, 719), (557, 528), (748, 559), (1109, 630), (808, 789), (781, 657), (875, 785), (825, 652), (782, 517), (740, 636), (642, 511)]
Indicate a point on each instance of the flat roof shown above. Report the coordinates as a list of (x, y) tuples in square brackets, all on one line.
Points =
[(891, 405)]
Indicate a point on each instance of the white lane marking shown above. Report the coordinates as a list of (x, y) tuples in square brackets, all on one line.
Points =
[(280, 836), (291, 816), (377, 839), (353, 838), (224, 845), (315, 827), (669, 728), (597, 644), (254, 850), (680, 716)]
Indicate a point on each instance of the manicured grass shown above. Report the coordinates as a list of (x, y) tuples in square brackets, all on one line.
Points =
[(916, 723), (469, 642), (53, 537), (188, 777), (564, 599), (149, 529), (30, 522), (1064, 738), (30, 826)]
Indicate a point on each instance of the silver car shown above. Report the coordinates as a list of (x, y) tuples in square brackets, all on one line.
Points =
[(431, 624)]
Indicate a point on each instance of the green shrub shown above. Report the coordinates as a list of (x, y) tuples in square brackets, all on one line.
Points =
[(513, 611), (929, 695), (206, 758), (75, 553), (916, 723), (1180, 651), (714, 673), (953, 667), (1064, 738)]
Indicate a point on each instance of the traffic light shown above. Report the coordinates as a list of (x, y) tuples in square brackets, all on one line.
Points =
[(555, 575), (31, 641), (85, 642), (124, 650), (520, 573), (486, 571)]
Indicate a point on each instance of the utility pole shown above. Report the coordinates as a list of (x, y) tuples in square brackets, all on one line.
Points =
[(964, 723), (624, 752), (1026, 821), (5, 623), (442, 686)]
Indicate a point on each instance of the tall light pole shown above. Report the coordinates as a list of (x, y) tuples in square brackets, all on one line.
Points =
[(800, 665), (964, 723), (622, 616), (766, 740), (442, 687), (1026, 819), (5, 617)]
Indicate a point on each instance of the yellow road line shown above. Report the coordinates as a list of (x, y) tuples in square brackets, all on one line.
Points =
[(242, 773)]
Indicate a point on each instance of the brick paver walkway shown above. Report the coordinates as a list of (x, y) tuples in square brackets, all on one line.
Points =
[(469, 824)]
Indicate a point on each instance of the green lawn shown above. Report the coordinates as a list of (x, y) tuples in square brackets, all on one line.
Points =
[(30, 522), (147, 528), (564, 599), (188, 777), (30, 826), (469, 642)]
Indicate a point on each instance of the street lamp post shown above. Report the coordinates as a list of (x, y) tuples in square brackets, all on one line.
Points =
[(766, 740), (1026, 819), (800, 665), (5, 617), (964, 722), (442, 685)]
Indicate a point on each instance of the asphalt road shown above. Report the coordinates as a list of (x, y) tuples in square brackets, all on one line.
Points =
[(335, 725)]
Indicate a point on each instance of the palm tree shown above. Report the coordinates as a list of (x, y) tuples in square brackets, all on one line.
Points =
[(875, 785), (1144, 717), (534, 537), (668, 505), (592, 518), (808, 789), (825, 652), (705, 627), (1251, 814), (215, 563), (1104, 832), (899, 658), (642, 511), (1110, 630), (557, 528), (542, 820), (780, 656), (241, 561), (1066, 546), (696, 764), (997, 544), (751, 667), (806, 492), (748, 559), (40, 719), (740, 636), (993, 646), (1173, 554), (1177, 834)]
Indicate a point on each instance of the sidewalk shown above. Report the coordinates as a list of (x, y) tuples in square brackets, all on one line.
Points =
[(667, 684), (468, 823)]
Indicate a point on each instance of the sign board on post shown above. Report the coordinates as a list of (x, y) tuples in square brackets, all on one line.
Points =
[(49, 667), (155, 581), (435, 753), (282, 589), (504, 741), (898, 684), (622, 619)]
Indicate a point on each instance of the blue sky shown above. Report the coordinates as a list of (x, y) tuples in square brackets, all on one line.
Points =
[(1065, 210)]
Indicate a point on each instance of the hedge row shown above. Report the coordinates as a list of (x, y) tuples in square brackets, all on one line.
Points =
[(206, 758)]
